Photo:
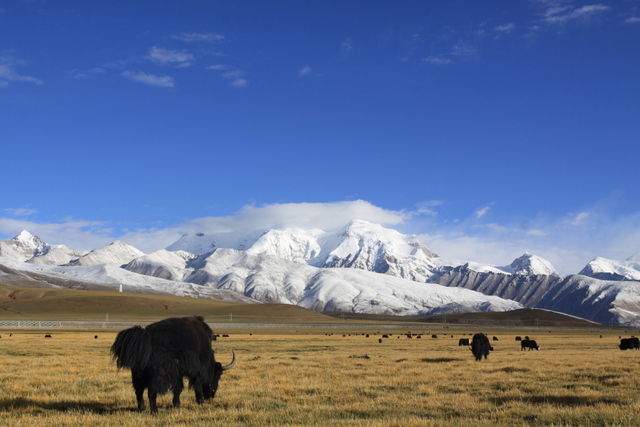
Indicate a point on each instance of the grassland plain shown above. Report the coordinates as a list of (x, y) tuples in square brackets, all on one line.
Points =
[(309, 378)]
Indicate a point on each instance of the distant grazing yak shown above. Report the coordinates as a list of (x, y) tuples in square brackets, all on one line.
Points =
[(629, 343), (463, 341), (480, 346), (164, 352), (529, 344)]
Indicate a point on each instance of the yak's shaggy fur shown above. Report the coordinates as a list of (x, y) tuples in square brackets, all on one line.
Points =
[(480, 346), (164, 352)]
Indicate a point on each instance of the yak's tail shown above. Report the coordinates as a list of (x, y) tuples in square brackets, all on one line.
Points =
[(132, 349)]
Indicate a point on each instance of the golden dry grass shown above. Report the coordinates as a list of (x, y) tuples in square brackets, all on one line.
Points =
[(314, 379)]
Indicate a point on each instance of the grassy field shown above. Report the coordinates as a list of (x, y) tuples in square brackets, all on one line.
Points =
[(577, 378)]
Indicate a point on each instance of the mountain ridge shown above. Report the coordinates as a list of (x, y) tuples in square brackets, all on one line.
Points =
[(362, 267)]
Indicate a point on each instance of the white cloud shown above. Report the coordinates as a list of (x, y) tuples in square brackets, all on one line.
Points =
[(482, 212), (437, 60), (200, 37), (180, 59), (326, 216), (632, 20), (239, 82), (563, 14), (347, 46), (496, 228), (506, 28), (427, 208), (20, 211), (535, 232), (9, 74), (306, 70), (149, 79), (235, 77), (233, 74), (567, 246), (463, 49), (579, 219)]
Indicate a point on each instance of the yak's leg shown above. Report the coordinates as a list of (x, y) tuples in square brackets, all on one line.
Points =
[(153, 395), (197, 387), (177, 389), (138, 386), (140, 398)]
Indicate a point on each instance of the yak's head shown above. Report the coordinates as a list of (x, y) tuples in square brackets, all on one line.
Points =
[(215, 372)]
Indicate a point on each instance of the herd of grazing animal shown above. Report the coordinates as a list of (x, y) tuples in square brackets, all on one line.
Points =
[(163, 353)]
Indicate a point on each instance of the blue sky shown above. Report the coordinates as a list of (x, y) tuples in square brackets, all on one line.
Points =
[(486, 128)]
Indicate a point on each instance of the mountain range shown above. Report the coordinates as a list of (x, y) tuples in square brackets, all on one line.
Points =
[(362, 268)]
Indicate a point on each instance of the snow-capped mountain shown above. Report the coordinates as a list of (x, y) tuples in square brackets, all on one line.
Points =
[(359, 244), (117, 253), (526, 264), (105, 277), (362, 267), (607, 269), (261, 276), (29, 248), (273, 279), (22, 247)]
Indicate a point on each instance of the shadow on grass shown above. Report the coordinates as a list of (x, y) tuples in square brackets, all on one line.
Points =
[(89, 406), (566, 400)]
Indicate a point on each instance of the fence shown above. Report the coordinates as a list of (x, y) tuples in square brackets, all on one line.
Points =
[(417, 327)]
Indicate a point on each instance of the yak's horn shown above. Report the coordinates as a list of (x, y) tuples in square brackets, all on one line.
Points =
[(230, 365)]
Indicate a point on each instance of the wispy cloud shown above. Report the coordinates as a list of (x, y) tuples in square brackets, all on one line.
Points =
[(199, 37), (239, 82), (176, 58), (632, 20), (579, 219), (482, 211), (9, 73), (437, 60), (506, 28), (560, 14), (347, 46), (234, 76), (20, 211), (149, 79), (218, 67), (428, 207), (305, 71)]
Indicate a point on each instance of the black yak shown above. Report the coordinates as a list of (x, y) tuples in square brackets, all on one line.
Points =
[(480, 346), (529, 344), (629, 343), (164, 352)]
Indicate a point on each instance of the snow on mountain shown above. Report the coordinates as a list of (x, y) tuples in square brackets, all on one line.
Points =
[(201, 243), (529, 264), (362, 267), (56, 255), (273, 279), (22, 247), (117, 253), (607, 269), (110, 277), (526, 264), (602, 301), (360, 244), (163, 264)]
